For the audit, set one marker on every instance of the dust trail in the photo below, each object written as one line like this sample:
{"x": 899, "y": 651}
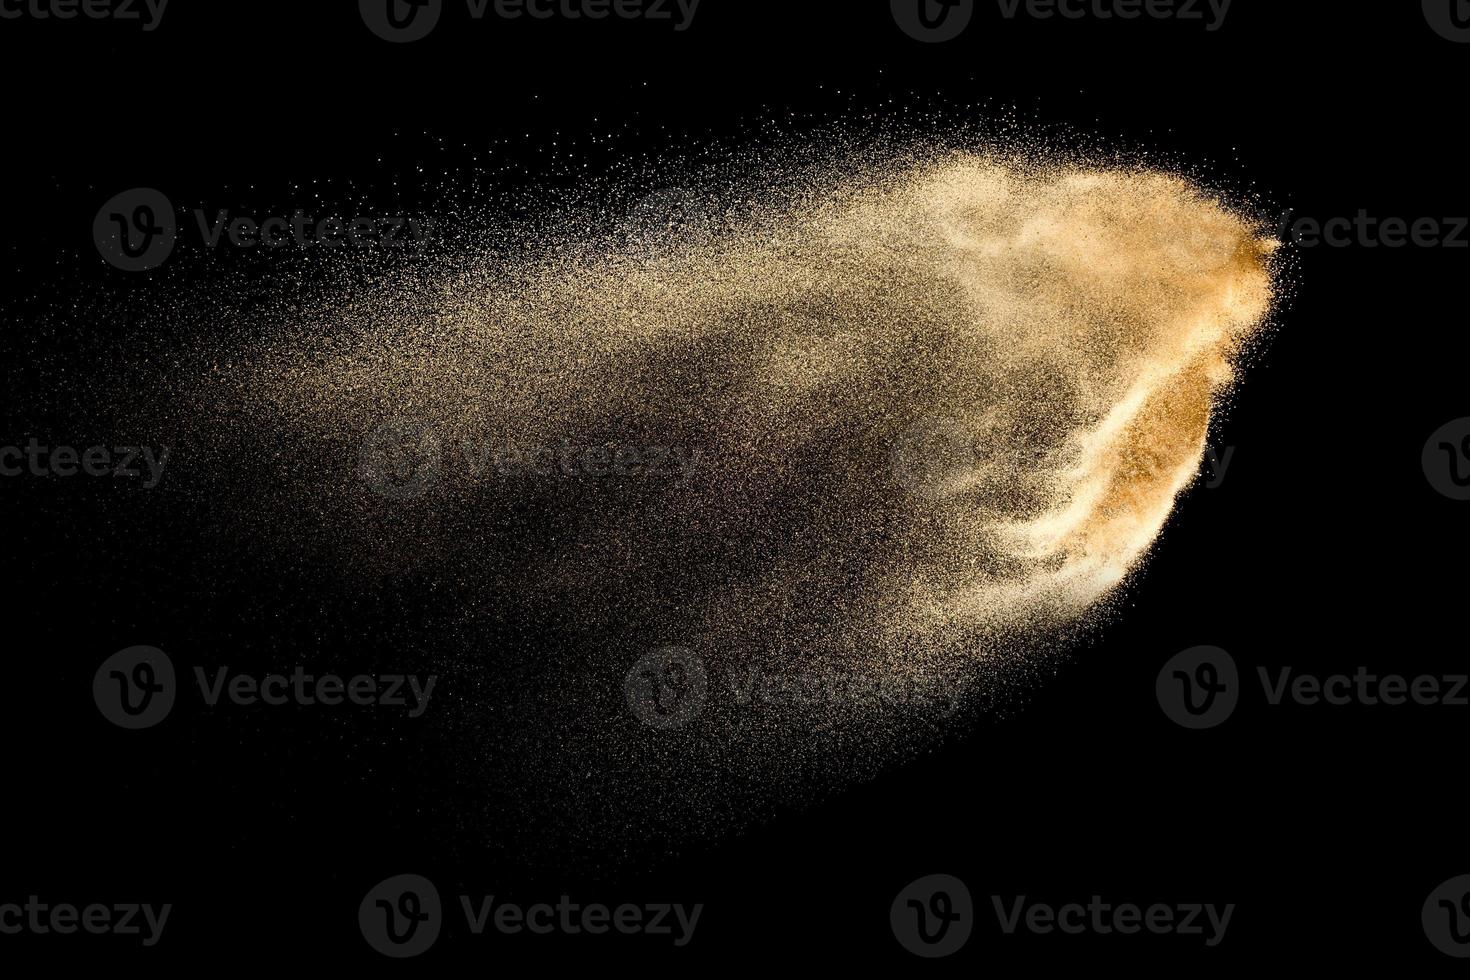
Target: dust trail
{"x": 909, "y": 424}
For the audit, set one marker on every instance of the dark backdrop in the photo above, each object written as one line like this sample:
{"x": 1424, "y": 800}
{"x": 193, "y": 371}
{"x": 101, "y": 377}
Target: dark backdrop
{"x": 1325, "y": 548}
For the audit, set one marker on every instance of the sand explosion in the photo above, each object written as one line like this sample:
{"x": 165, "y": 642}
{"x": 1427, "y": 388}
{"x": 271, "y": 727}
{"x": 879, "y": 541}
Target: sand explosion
{"x": 853, "y": 450}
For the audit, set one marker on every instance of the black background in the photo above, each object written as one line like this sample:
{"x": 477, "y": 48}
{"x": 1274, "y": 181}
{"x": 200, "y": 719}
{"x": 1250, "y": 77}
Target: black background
{"x": 1325, "y": 548}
